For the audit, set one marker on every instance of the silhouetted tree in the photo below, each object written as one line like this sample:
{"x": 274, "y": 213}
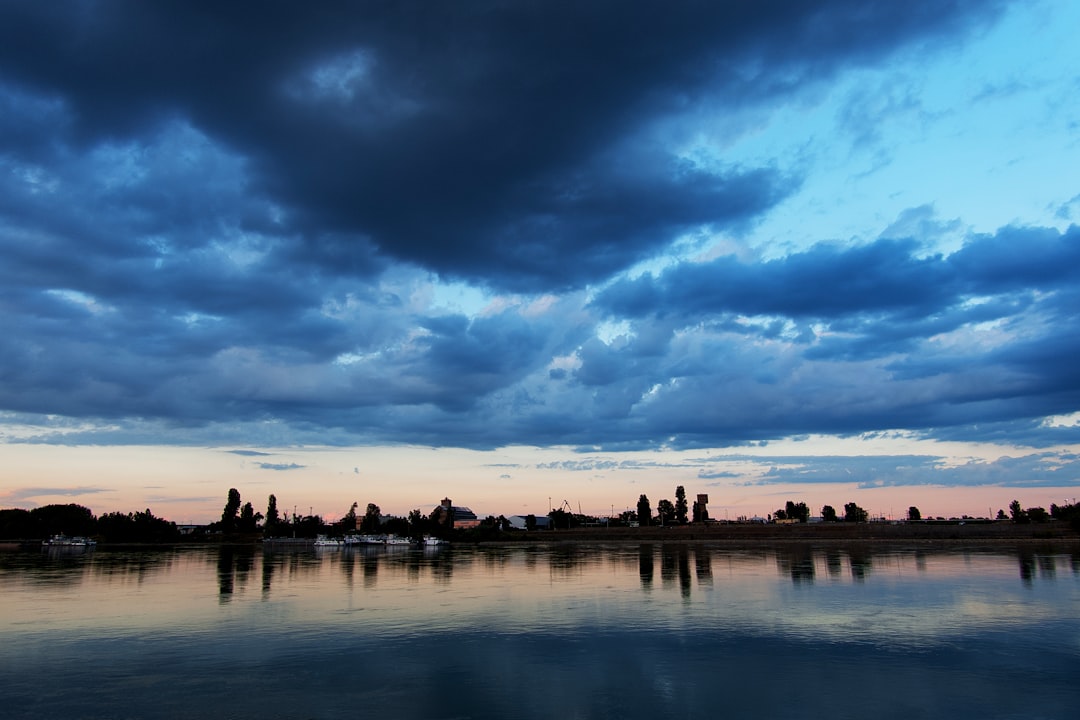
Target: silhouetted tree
{"x": 644, "y": 510}
{"x": 272, "y": 517}
{"x": 1017, "y": 513}
{"x": 797, "y": 511}
{"x": 560, "y": 519}
{"x": 348, "y": 522}
{"x": 140, "y": 527}
{"x": 232, "y": 508}
{"x": 530, "y": 522}
{"x": 372, "y": 519}
{"x": 249, "y": 519}
{"x": 680, "y": 505}
{"x": 913, "y": 514}
{"x": 828, "y": 513}
{"x": 420, "y": 525}
{"x": 1070, "y": 513}
{"x": 1037, "y": 514}
{"x": 396, "y": 526}
{"x": 70, "y": 519}
{"x": 665, "y": 512}
{"x": 16, "y": 524}
{"x": 854, "y": 513}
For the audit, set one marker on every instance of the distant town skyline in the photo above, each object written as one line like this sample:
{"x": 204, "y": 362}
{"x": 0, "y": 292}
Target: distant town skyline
{"x": 823, "y": 251}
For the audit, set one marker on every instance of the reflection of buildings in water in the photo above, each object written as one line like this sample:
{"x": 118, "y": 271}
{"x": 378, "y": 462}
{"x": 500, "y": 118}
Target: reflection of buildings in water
{"x": 454, "y": 516}
{"x": 645, "y": 565}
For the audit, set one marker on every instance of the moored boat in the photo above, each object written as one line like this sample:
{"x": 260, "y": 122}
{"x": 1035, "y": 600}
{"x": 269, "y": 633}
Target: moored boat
{"x": 62, "y": 540}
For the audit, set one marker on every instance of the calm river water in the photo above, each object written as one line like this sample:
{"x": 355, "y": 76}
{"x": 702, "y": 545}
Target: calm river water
{"x": 657, "y": 631}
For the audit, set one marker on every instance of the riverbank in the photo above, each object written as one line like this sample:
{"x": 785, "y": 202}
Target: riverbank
{"x": 824, "y": 533}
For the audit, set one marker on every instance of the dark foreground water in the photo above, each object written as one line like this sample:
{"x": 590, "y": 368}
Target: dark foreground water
{"x": 657, "y": 631}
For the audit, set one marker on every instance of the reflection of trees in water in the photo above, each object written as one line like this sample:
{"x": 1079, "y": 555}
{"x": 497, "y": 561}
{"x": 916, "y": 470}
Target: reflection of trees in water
{"x": 834, "y": 563}
{"x": 267, "y": 574}
{"x": 920, "y": 560}
{"x": 441, "y": 563}
{"x": 496, "y": 558}
{"x": 570, "y": 559}
{"x": 70, "y": 565}
{"x": 796, "y": 561}
{"x": 348, "y": 568}
{"x": 1047, "y": 566}
{"x": 1032, "y": 562}
{"x": 245, "y": 561}
{"x": 290, "y": 562}
{"x": 675, "y": 565}
{"x": 531, "y": 556}
{"x": 234, "y": 564}
{"x": 667, "y": 566}
{"x": 645, "y": 565}
{"x": 703, "y": 565}
{"x": 226, "y": 564}
{"x": 861, "y": 562}
{"x": 370, "y": 568}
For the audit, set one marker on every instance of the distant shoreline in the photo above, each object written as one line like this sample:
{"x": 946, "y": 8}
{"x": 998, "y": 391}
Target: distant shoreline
{"x": 917, "y": 535}
{"x": 930, "y": 534}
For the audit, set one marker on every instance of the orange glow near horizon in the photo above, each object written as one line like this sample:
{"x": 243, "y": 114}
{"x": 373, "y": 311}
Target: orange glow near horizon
{"x": 190, "y": 485}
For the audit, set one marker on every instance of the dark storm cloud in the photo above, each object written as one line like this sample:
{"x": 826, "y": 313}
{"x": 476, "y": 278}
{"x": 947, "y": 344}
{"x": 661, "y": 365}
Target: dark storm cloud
{"x": 220, "y": 226}
{"x": 505, "y": 143}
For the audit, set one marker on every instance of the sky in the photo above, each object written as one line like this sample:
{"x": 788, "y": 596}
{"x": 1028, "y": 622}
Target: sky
{"x": 537, "y": 254}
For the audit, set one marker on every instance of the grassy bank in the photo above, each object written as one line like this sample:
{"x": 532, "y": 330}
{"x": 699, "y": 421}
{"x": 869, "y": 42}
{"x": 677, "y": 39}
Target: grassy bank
{"x": 823, "y": 533}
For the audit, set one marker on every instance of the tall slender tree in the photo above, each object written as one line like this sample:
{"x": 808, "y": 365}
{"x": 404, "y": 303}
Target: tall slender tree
{"x": 232, "y": 508}
{"x": 272, "y": 517}
{"x": 680, "y": 505}
{"x": 644, "y": 510}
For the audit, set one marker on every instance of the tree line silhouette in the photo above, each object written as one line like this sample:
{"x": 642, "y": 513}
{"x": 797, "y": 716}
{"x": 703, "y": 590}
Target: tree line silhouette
{"x": 241, "y": 520}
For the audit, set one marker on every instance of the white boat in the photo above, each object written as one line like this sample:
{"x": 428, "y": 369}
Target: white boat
{"x": 432, "y": 541}
{"x": 324, "y": 541}
{"x": 397, "y": 540}
{"x": 62, "y": 540}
